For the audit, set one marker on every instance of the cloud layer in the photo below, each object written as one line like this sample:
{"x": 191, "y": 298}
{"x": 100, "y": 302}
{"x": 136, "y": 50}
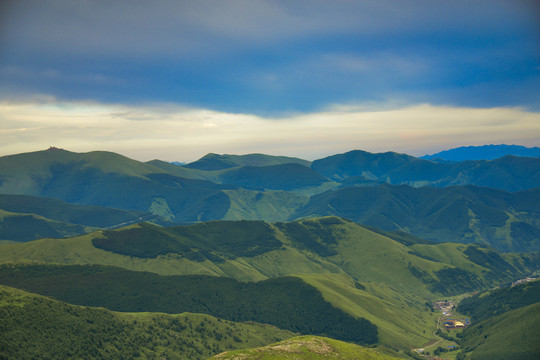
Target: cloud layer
{"x": 174, "y": 133}
{"x": 272, "y": 56}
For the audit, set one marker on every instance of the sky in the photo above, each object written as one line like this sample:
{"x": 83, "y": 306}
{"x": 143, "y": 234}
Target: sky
{"x": 175, "y": 80}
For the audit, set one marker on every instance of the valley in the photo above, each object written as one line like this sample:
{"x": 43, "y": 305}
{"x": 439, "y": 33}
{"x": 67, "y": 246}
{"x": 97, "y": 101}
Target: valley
{"x": 354, "y": 255}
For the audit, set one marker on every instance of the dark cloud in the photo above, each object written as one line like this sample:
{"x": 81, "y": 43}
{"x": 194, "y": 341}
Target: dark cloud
{"x": 263, "y": 56}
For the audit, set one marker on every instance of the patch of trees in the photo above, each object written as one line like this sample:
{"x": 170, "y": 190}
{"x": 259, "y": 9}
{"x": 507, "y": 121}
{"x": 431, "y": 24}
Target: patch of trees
{"x": 312, "y": 235}
{"x": 213, "y": 240}
{"x": 489, "y": 260}
{"x": 288, "y": 303}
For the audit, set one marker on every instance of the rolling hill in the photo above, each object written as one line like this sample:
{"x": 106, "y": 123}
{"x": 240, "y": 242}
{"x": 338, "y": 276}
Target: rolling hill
{"x": 284, "y": 246}
{"x": 361, "y": 272}
{"x": 255, "y": 250}
{"x": 281, "y": 191}
{"x": 111, "y": 180}
{"x": 273, "y": 177}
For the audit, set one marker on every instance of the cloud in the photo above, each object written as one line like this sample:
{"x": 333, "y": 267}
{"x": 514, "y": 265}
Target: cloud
{"x": 271, "y": 56}
{"x": 174, "y": 133}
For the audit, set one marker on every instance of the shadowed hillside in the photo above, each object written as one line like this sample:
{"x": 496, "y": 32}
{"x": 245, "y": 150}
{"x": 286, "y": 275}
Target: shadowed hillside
{"x": 288, "y": 303}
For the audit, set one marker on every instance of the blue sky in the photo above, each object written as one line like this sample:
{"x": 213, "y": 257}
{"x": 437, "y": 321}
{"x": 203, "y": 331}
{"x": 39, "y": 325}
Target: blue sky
{"x": 277, "y": 63}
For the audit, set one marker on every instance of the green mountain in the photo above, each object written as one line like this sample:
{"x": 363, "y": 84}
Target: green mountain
{"x": 111, "y": 180}
{"x": 485, "y": 152}
{"x": 219, "y": 162}
{"x": 360, "y": 163}
{"x": 274, "y": 177}
{"x": 467, "y": 214}
{"x": 509, "y": 173}
{"x": 36, "y": 327}
{"x": 307, "y": 347}
{"x": 282, "y": 191}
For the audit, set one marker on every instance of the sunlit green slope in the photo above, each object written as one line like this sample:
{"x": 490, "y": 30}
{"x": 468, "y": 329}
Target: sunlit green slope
{"x": 307, "y": 347}
{"x": 512, "y": 335}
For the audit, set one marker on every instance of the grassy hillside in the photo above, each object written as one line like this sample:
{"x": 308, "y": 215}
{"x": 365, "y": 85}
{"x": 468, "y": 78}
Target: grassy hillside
{"x": 288, "y": 303}
{"x": 34, "y": 327}
{"x": 512, "y": 335}
{"x": 307, "y": 347}
{"x": 506, "y": 221}
{"x": 402, "y": 319}
{"x": 254, "y": 250}
{"x": 363, "y": 273}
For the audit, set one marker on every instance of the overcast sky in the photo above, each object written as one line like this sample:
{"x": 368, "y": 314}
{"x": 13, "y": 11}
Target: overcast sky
{"x": 175, "y": 80}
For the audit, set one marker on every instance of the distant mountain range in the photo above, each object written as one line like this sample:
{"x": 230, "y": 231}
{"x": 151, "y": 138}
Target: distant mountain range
{"x": 485, "y": 152}
{"x": 437, "y": 201}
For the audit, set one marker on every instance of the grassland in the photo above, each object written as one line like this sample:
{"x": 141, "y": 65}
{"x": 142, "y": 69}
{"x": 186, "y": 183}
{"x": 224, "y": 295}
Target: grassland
{"x": 361, "y": 272}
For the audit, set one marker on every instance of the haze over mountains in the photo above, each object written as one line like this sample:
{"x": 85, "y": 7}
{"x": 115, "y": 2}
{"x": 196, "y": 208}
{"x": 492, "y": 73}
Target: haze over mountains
{"x": 369, "y": 239}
